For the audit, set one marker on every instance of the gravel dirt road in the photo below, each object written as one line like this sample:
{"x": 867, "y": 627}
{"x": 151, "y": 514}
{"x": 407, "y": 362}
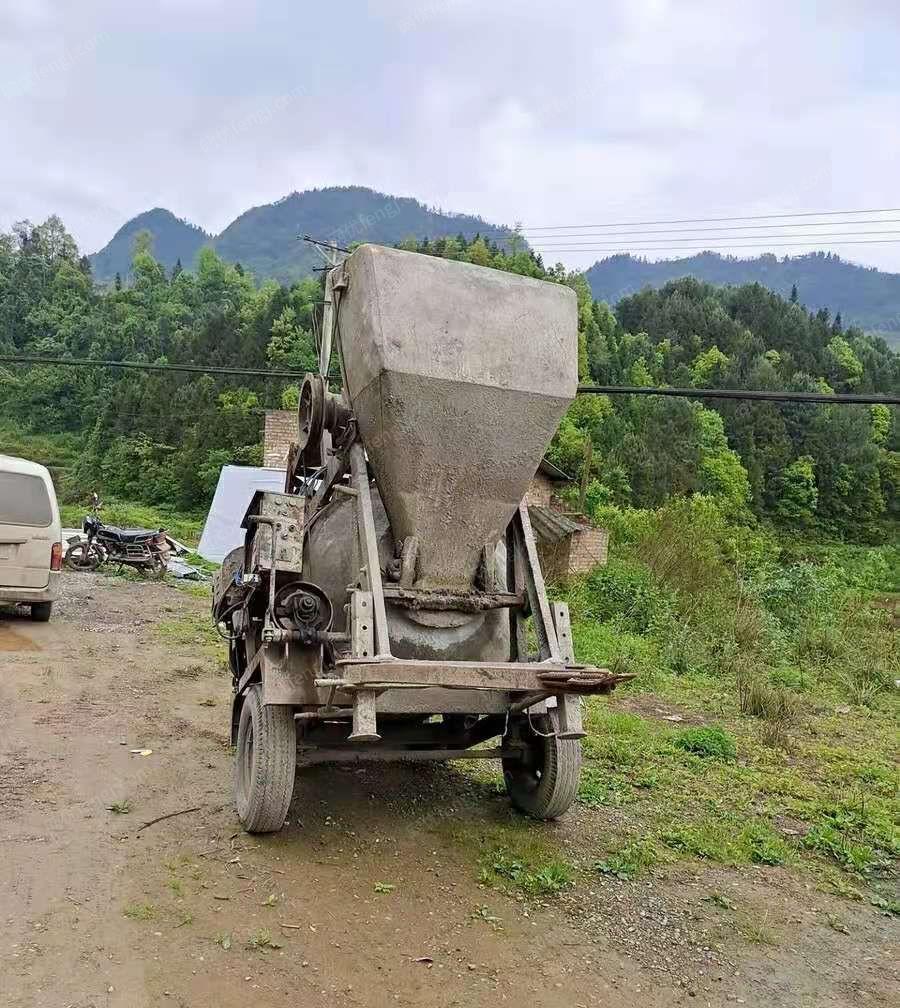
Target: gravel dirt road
{"x": 364, "y": 899}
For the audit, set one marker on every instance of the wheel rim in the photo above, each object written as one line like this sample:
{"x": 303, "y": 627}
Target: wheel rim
{"x": 82, "y": 557}
{"x": 527, "y": 772}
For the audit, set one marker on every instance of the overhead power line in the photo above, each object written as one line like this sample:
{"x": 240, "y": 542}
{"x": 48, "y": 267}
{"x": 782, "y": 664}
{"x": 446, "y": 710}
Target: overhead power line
{"x": 143, "y": 366}
{"x": 716, "y": 246}
{"x": 725, "y": 228}
{"x": 688, "y": 393}
{"x": 711, "y": 220}
{"x": 772, "y": 238}
{"x": 762, "y": 395}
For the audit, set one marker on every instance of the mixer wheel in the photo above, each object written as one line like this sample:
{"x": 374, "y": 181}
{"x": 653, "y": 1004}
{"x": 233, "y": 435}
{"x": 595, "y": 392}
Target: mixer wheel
{"x": 265, "y": 763}
{"x": 544, "y": 782}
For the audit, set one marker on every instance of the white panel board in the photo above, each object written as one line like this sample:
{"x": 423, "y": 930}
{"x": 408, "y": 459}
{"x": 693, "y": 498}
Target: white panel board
{"x": 237, "y": 484}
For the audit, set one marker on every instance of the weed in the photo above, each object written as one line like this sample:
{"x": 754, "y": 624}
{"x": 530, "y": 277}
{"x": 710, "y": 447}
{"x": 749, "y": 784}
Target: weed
{"x": 889, "y": 906}
{"x": 756, "y": 930}
{"x": 712, "y": 742}
{"x": 765, "y": 848}
{"x": 119, "y": 807}
{"x": 722, "y": 839}
{"x": 773, "y": 703}
{"x": 271, "y": 900}
{"x": 190, "y": 671}
{"x": 836, "y": 924}
{"x": 721, "y": 901}
{"x": 830, "y": 841}
{"x": 224, "y": 940}
{"x": 186, "y": 918}
{"x": 483, "y": 913}
{"x": 140, "y": 911}
{"x": 191, "y": 630}
{"x": 630, "y": 861}
{"x": 543, "y": 878}
{"x": 384, "y": 887}
{"x": 262, "y": 941}
{"x": 177, "y": 886}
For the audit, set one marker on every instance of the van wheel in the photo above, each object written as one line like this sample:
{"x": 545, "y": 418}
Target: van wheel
{"x": 543, "y": 782}
{"x": 40, "y": 611}
{"x": 265, "y": 763}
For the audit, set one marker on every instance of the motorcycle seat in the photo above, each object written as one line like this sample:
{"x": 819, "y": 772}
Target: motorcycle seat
{"x": 132, "y": 535}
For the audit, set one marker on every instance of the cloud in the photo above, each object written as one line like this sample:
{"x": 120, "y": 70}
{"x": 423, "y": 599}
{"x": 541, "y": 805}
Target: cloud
{"x": 546, "y": 114}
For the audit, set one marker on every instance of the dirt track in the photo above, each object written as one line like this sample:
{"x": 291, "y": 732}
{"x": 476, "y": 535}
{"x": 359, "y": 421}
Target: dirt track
{"x": 94, "y": 912}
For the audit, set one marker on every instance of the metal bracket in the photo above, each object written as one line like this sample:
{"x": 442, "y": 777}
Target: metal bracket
{"x": 526, "y": 573}
{"x": 569, "y": 705}
{"x": 362, "y": 631}
{"x": 369, "y": 547}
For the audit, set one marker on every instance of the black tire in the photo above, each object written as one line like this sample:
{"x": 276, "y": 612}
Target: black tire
{"x": 265, "y": 763}
{"x": 156, "y": 570}
{"x": 544, "y": 783}
{"x": 81, "y": 558}
{"x": 40, "y": 611}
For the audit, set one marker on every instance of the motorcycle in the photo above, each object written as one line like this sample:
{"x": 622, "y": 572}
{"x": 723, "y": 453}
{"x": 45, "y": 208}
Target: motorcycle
{"x": 146, "y": 550}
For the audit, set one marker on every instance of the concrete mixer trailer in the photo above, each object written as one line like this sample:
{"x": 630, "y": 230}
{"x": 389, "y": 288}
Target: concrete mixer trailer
{"x": 390, "y": 603}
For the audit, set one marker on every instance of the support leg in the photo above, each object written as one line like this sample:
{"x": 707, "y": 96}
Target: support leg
{"x": 365, "y": 727}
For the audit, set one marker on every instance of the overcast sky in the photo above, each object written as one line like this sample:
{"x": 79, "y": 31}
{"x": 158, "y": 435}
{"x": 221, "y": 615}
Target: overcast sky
{"x": 545, "y": 113}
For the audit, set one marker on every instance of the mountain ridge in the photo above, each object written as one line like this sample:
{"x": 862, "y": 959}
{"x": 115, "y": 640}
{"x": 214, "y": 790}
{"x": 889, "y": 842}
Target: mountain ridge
{"x": 864, "y": 295}
{"x": 265, "y": 238}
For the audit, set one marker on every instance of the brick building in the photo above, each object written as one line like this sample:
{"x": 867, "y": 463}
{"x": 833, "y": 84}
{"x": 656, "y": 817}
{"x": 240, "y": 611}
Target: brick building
{"x": 567, "y": 544}
{"x": 279, "y": 433}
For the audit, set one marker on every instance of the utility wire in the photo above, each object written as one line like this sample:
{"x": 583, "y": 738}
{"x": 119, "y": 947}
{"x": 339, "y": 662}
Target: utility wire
{"x": 142, "y": 366}
{"x": 719, "y": 247}
{"x": 712, "y": 220}
{"x": 774, "y": 239}
{"x": 759, "y": 395}
{"x": 688, "y": 393}
{"x": 705, "y": 230}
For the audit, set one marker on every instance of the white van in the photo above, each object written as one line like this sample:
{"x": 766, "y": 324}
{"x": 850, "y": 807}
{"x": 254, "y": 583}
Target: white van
{"x": 30, "y": 536}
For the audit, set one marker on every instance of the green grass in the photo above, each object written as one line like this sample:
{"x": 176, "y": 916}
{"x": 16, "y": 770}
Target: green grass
{"x": 841, "y": 801}
{"x": 58, "y": 452}
{"x": 140, "y": 911}
{"x": 514, "y": 857}
{"x": 261, "y": 941}
{"x": 192, "y": 632}
{"x": 185, "y": 528}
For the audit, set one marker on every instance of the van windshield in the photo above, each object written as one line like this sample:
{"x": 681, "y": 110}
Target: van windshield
{"x": 24, "y": 500}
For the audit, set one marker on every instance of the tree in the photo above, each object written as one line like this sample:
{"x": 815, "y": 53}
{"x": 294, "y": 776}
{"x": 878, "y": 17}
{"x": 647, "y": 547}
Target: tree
{"x": 798, "y": 495}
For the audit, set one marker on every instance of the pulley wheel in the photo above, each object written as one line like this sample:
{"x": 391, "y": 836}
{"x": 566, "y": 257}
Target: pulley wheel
{"x": 311, "y": 419}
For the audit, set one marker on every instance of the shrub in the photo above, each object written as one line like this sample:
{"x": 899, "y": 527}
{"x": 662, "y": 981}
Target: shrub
{"x": 772, "y": 703}
{"x": 712, "y": 742}
{"x": 626, "y": 592}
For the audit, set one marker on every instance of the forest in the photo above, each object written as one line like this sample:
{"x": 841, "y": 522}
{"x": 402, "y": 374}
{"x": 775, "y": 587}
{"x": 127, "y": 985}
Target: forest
{"x": 162, "y": 437}
{"x": 867, "y": 297}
